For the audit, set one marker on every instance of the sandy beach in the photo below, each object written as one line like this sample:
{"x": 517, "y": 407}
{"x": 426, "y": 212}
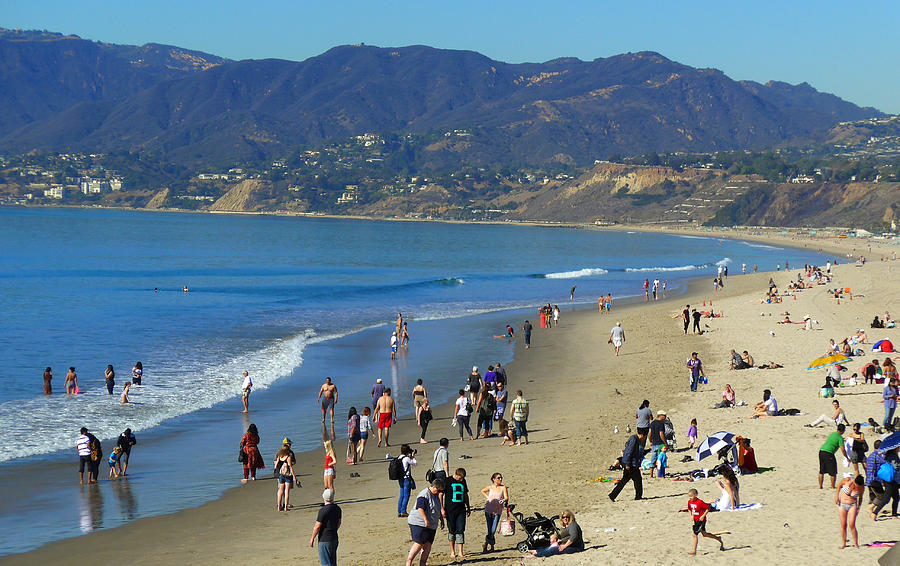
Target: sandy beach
{"x": 579, "y": 391}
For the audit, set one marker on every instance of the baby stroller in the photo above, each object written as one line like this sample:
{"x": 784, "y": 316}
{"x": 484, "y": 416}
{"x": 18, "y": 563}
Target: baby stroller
{"x": 538, "y": 530}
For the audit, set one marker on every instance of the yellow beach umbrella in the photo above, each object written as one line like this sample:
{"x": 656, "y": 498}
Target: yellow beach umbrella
{"x": 829, "y": 360}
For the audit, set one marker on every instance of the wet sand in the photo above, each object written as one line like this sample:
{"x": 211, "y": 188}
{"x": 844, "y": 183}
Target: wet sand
{"x": 578, "y": 393}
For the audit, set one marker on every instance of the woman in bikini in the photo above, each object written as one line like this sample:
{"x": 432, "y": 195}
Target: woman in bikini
{"x": 848, "y": 498}
{"x": 71, "y": 383}
{"x": 419, "y": 394}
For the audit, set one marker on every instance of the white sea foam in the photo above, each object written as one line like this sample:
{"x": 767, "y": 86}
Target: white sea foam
{"x": 587, "y": 272}
{"x": 650, "y": 269}
{"x": 723, "y": 262}
{"x": 167, "y": 395}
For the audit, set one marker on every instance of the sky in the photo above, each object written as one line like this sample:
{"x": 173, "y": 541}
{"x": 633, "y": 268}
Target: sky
{"x": 850, "y": 49}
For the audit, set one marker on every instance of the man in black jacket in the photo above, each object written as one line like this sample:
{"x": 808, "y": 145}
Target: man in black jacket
{"x": 631, "y": 464}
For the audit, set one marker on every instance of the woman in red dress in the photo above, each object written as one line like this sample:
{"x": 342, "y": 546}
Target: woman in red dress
{"x": 250, "y": 446}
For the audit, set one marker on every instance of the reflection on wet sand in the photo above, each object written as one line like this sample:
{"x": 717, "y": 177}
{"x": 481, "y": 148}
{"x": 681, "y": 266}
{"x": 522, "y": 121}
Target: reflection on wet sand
{"x": 90, "y": 508}
{"x": 127, "y": 503}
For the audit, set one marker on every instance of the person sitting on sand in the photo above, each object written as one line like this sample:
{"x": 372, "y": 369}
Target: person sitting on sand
{"x": 861, "y": 337}
{"x": 768, "y": 407}
{"x": 728, "y": 397}
{"x": 771, "y": 365}
{"x": 837, "y": 418}
{"x": 736, "y": 361}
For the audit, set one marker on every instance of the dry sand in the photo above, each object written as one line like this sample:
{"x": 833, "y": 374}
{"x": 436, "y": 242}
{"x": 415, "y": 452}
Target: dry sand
{"x": 578, "y": 392}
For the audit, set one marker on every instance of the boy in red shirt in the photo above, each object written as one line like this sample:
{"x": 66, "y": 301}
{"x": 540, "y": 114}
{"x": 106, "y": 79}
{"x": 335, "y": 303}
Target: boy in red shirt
{"x": 698, "y": 510}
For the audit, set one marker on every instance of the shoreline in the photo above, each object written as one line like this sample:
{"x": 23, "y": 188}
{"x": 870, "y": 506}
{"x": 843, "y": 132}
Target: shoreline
{"x": 313, "y": 469}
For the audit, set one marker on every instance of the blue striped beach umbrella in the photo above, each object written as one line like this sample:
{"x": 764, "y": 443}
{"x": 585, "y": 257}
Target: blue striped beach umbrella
{"x": 890, "y": 442}
{"x": 713, "y": 444}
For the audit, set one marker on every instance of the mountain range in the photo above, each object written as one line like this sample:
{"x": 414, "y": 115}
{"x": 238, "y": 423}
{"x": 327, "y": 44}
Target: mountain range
{"x": 63, "y": 93}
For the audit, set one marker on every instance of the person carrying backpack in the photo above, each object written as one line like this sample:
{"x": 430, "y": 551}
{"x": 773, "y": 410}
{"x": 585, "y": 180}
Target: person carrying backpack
{"x": 406, "y": 459}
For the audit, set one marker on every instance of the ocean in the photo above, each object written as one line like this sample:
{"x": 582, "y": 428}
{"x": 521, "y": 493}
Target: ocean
{"x": 290, "y": 300}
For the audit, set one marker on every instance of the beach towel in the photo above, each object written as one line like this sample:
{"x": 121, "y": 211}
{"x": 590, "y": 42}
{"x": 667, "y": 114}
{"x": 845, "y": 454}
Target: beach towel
{"x": 744, "y": 507}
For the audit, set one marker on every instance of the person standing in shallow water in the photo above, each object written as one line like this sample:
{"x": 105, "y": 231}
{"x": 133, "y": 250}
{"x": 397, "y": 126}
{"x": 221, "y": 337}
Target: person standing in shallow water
{"x": 48, "y": 376}
{"x": 110, "y": 378}
{"x": 137, "y": 373}
{"x": 71, "y": 383}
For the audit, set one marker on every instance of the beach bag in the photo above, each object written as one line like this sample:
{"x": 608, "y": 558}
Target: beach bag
{"x": 95, "y": 450}
{"x": 429, "y": 476}
{"x": 507, "y": 526}
{"x": 285, "y": 468}
{"x": 395, "y": 469}
{"x": 242, "y": 456}
{"x": 886, "y": 473}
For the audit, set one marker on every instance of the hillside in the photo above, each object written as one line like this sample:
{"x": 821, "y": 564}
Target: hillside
{"x": 613, "y": 193}
{"x": 42, "y": 74}
{"x": 561, "y": 111}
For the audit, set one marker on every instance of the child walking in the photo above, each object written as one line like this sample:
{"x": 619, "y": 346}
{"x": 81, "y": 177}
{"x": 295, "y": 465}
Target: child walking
{"x": 692, "y": 433}
{"x": 699, "y": 510}
{"x": 114, "y": 462}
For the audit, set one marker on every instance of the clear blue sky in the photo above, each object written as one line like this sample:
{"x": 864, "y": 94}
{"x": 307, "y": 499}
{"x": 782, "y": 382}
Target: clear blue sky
{"x": 850, "y": 49}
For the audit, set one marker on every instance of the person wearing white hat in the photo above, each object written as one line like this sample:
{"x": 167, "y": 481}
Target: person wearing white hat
{"x": 328, "y": 521}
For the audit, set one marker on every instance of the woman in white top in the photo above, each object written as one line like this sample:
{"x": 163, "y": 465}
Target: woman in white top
{"x": 731, "y": 496}
{"x": 365, "y": 426}
{"x": 461, "y": 415}
{"x": 837, "y": 418}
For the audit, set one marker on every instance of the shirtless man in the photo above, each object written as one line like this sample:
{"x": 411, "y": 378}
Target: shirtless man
{"x": 399, "y": 324}
{"x": 386, "y": 413}
{"x": 327, "y": 398}
{"x": 404, "y": 337}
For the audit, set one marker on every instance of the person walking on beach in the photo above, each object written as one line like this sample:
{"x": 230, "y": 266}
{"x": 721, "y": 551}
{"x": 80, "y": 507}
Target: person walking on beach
{"x": 386, "y": 411}
{"x": 500, "y": 372}
{"x": 110, "y": 378}
{"x": 71, "y": 383}
{"x": 455, "y": 509}
{"x": 699, "y": 510}
{"x": 327, "y": 398}
{"x": 423, "y": 522}
{"x": 284, "y": 465}
{"x": 496, "y": 498}
{"x": 607, "y": 303}
{"x": 353, "y": 436}
{"x": 890, "y": 394}
{"x": 425, "y": 417}
{"x": 404, "y": 337}
{"x": 520, "y": 413}
{"x": 407, "y": 484}
{"x": 555, "y": 315}
{"x": 657, "y": 436}
{"x": 246, "y": 387}
{"x": 486, "y": 406}
{"x": 377, "y": 392}
{"x": 462, "y": 411}
{"x": 644, "y": 417}
{"x": 87, "y": 447}
{"x": 419, "y": 394}
{"x": 617, "y": 337}
{"x": 695, "y": 315}
{"x": 126, "y": 441}
{"x": 696, "y": 366}
{"x": 475, "y": 385}
{"x": 686, "y": 318}
{"x": 502, "y": 396}
{"x": 848, "y": 498}
{"x": 631, "y": 467}
{"x": 48, "y": 377}
{"x": 394, "y": 344}
{"x": 252, "y": 459}
{"x": 440, "y": 462}
{"x": 365, "y": 427}
{"x": 827, "y": 461}
{"x": 526, "y": 329}
{"x": 330, "y": 461}
{"x": 328, "y": 521}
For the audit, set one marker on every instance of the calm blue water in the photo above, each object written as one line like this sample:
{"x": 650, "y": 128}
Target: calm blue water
{"x": 288, "y": 299}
